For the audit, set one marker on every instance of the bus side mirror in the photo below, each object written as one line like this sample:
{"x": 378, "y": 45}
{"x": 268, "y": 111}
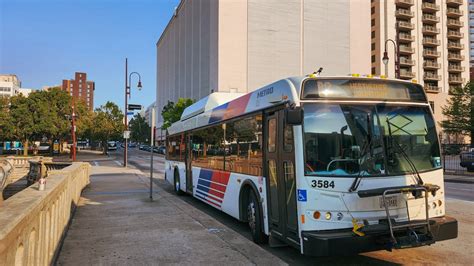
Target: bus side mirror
{"x": 294, "y": 116}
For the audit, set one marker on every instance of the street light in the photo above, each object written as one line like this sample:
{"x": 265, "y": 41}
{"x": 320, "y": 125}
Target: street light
{"x": 127, "y": 93}
{"x": 385, "y": 58}
{"x": 72, "y": 117}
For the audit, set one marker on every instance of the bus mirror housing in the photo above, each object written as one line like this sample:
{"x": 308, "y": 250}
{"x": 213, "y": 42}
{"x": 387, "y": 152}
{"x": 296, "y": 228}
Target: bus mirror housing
{"x": 294, "y": 116}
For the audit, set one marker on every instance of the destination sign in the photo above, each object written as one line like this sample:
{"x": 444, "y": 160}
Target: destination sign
{"x": 362, "y": 89}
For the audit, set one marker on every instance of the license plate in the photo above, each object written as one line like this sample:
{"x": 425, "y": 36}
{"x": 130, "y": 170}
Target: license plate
{"x": 391, "y": 201}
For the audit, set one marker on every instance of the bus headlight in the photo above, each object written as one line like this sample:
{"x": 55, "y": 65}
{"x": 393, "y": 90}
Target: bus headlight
{"x": 328, "y": 215}
{"x": 340, "y": 216}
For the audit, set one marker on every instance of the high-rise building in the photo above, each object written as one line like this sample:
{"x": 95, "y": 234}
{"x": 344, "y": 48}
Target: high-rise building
{"x": 239, "y": 46}
{"x": 433, "y": 40}
{"x": 471, "y": 37}
{"x": 9, "y": 85}
{"x": 80, "y": 88}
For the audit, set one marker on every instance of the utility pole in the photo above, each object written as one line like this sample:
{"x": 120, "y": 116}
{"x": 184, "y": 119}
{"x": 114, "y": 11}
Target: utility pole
{"x": 151, "y": 150}
{"x": 73, "y": 133}
{"x": 125, "y": 148}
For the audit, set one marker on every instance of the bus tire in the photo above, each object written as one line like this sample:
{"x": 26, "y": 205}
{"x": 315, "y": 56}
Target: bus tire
{"x": 177, "y": 184}
{"x": 254, "y": 217}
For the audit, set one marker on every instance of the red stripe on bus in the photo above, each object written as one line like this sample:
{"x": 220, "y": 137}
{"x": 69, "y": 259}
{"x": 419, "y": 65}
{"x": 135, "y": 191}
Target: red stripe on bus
{"x": 216, "y": 193}
{"x": 237, "y": 106}
{"x": 214, "y": 198}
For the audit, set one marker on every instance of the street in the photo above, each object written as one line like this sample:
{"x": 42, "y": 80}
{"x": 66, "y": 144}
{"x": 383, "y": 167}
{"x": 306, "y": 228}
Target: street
{"x": 459, "y": 204}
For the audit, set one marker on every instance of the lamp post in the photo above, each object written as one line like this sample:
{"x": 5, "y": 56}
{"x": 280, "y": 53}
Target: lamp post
{"x": 73, "y": 133}
{"x": 127, "y": 95}
{"x": 385, "y": 58}
{"x": 72, "y": 117}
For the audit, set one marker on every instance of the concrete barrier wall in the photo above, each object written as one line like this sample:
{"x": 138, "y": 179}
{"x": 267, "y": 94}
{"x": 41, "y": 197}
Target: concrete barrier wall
{"x": 32, "y": 222}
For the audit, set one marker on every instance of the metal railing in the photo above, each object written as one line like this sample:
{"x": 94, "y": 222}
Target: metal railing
{"x": 452, "y": 163}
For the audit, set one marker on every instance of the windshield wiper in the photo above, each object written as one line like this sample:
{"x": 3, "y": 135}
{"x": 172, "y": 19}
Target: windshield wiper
{"x": 365, "y": 149}
{"x": 402, "y": 151}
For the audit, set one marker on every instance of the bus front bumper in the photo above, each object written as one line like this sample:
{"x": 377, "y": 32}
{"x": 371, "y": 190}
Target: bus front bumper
{"x": 345, "y": 242}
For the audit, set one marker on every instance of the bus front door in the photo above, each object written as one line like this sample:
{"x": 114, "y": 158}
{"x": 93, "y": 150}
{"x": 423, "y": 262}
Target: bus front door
{"x": 280, "y": 173}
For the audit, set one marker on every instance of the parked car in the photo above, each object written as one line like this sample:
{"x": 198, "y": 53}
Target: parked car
{"x": 146, "y": 148}
{"x": 141, "y": 146}
{"x": 162, "y": 150}
{"x": 111, "y": 145}
{"x": 467, "y": 159}
{"x": 132, "y": 145}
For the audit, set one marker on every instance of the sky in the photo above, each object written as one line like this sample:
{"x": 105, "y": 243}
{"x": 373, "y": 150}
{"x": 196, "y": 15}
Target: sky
{"x": 46, "y": 41}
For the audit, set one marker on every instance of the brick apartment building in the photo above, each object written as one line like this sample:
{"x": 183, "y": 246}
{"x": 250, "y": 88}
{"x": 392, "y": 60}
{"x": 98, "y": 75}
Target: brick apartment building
{"x": 80, "y": 88}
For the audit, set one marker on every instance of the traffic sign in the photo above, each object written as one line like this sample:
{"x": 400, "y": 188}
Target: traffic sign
{"x": 134, "y": 107}
{"x": 126, "y": 134}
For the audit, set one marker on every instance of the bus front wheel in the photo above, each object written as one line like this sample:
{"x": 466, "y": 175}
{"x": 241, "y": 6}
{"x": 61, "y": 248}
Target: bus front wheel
{"x": 177, "y": 186}
{"x": 254, "y": 217}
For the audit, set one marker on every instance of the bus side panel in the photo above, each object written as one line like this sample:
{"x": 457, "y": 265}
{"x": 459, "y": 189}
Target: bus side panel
{"x": 222, "y": 189}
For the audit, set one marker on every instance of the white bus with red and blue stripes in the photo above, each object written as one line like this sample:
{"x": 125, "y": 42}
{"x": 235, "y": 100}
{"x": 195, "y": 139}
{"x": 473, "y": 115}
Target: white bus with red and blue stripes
{"x": 329, "y": 165}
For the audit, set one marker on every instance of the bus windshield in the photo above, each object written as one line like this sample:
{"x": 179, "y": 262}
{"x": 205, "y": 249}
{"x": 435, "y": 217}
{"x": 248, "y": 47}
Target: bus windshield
{"x": 369, "y": 140}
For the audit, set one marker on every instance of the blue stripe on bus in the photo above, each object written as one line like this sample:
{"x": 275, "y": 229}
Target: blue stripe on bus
{"x": 205, "y": 174}
{"x": 204, "y": 182}
{"x": 218, "y": 113}
{"x": 203, "y": 188}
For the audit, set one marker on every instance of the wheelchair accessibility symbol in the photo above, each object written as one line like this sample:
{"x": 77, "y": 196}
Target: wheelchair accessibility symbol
{"x": 302, "y": 195}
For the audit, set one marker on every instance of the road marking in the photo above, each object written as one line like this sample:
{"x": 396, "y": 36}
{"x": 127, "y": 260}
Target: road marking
{"x": 96, "y": 163}
{"x": 118, "y": 163}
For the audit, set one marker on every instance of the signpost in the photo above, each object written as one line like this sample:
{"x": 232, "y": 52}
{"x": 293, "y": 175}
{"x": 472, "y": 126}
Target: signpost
{"x": 151, "y": 150}
{"x": 126, "y": 134}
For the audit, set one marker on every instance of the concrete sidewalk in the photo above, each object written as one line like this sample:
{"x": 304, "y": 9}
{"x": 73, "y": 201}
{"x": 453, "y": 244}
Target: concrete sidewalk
{"x": 115, "y": 223}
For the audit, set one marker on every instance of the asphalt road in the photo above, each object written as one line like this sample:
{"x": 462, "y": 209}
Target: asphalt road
{"x": 453, "y": 251}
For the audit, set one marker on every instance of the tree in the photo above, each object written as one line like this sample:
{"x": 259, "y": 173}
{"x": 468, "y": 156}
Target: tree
{"x": 50, "y": 117}
{"x": 172, "y": 111}
{"x": 459, "y": 112}
{"x": 84, "y": 121}
{"x": 140, "y": 130}
{"x": 6, "y": 128}
{"x": 107, "y": 123}
{"x": 22, "y": 120}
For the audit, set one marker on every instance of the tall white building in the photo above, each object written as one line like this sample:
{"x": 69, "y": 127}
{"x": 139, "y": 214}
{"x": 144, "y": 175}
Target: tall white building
{"x": 9, "y": 85}
{"x": 239, "y": 46}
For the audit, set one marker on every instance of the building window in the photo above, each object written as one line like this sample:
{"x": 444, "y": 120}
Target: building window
{"x": 373, "y": 58}
{"x": 373, "y": 34}
{"x": 373, "y": 46}
{"x": 372, "y": 10}
{"x": 373, "y": 71}
{"x": 372, "y": 22}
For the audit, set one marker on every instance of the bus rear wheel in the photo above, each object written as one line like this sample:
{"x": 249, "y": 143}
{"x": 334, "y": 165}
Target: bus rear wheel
{"x": 254, "y": 217}
{"x": 177, "y": 184}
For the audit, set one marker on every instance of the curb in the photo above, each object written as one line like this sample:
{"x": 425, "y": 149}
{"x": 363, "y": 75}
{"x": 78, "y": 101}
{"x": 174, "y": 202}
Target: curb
{"x": 459, "y": 181}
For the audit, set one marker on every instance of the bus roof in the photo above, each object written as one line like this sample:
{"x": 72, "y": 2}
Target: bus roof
{"x": 220, "y": 106}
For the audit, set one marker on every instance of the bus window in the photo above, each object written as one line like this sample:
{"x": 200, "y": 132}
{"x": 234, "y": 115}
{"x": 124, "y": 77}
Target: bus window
{"x": 208, "y": 148}
{"x": 243, "y": 148}
{"x": 288, "y": 138}
{"x": 271, "y": 144}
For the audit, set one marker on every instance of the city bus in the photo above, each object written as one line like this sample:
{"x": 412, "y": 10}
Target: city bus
{"x": 328, "y": 165}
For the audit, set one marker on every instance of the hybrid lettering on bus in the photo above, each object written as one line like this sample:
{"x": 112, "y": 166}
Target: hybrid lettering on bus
{"x": 329, "y": 165}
